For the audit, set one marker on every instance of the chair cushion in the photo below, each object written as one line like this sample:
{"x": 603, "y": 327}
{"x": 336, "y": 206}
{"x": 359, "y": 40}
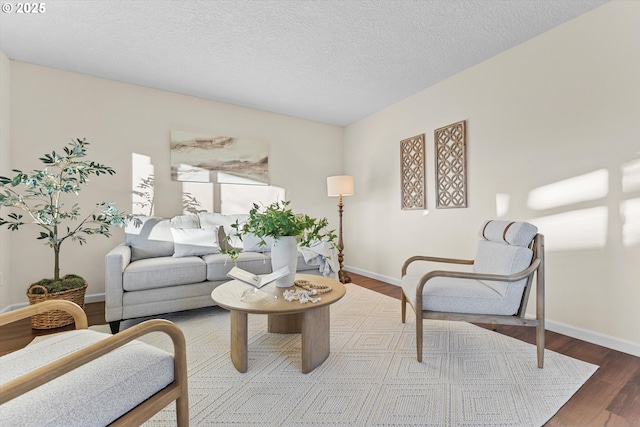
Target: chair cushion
{"x": 160, "y": 272}
{"x": 454, "y": 295}
{"x": 499, "y": 258}
{"x": 94, "y": 394}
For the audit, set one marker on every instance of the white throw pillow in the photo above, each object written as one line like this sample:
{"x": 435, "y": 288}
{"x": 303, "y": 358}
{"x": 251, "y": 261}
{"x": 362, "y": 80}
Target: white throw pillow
{"x": 251, "y": 243}
{"x": 195, "y": 241}
{"x": 213, "y": 219}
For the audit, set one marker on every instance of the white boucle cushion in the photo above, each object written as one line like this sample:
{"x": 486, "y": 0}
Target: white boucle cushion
{"x": 195, "y": 241}
{"x": 150, "y": 237}
{"x": 510, "y": 232}
{"x": 503, "y": 259}
{"x": 94, "y": 394}
{"x": 468, "y": 296}
{"x": 213, "y": 219}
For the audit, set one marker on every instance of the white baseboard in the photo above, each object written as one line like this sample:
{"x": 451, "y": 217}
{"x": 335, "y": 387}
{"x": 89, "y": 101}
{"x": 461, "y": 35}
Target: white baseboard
{"x": 94, "y": 298}
{"x": 380, "y": 277}
{"x": 87, "y": 299}
{"x": 597, "y": 338}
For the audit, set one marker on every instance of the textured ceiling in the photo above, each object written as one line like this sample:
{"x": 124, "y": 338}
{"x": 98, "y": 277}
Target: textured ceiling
{"x": 333, "y": 61}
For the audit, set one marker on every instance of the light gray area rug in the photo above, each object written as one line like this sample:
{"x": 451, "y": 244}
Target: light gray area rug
{"x": 469, "y": 376}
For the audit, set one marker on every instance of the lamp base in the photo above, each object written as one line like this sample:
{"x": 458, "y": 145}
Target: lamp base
{"x": 344, "y": 277}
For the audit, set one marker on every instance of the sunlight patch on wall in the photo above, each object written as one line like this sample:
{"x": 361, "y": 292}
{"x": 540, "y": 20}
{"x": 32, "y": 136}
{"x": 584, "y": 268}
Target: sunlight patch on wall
{"x": 502, "y": 204}
{"x": 184, "y": 172}
{"x": 590, "y": 186}
{"x": 197, "y": 197}
{"x": 142, "y": 185}
{"x": 631, "y": 176}
{"x": 579, "y": 229}
{"x": 236, "y": 199}
{"x": 630, "y": 211}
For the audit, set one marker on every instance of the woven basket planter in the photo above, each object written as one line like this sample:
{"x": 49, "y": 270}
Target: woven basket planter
{"x": 54, "y": 318}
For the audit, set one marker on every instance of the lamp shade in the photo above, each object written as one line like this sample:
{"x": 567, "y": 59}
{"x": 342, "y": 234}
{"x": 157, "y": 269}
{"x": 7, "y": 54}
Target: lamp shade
{"x": 339, "y": 185}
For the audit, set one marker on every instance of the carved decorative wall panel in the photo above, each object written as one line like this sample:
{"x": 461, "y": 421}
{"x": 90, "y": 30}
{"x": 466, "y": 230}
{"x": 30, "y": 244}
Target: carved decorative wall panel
{"x": 451, "y": 166}
{"x": 412, "y": 173}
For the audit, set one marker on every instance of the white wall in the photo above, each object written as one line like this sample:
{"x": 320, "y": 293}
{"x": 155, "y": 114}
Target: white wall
{"x": 5, "y": 170}
{"x": 50, "y": 107}
{"x": 559, "y": 106}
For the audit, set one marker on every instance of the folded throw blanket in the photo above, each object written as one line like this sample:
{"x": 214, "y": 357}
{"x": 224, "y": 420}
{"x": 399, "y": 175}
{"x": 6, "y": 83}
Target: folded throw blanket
{"x": 324, "y": 255}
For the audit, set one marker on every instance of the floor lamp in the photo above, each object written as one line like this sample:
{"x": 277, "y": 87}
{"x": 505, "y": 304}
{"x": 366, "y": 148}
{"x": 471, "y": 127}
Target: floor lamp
{"x": 338, "y": 186}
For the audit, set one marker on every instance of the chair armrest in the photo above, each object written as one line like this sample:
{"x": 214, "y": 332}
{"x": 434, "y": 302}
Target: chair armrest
{"x": 79, "y": 316}
{"x": 434, "y": 259}
{"x": 59, "y": 367}
{"x": 476, "y": 276}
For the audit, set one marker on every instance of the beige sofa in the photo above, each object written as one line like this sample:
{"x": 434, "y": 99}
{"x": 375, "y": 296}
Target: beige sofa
{"x": 173, "y": 264}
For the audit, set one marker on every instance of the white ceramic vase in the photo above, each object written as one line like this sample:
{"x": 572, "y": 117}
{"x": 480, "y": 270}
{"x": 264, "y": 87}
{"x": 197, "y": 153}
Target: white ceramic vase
{"x": 284, "y": 251}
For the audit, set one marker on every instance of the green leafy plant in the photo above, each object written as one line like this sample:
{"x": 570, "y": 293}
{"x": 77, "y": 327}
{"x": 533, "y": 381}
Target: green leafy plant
{"x": 40, "y": 193}
{"x": 277, "y": 220}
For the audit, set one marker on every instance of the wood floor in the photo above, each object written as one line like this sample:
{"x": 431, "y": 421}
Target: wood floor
{"x": 611, "y": 397}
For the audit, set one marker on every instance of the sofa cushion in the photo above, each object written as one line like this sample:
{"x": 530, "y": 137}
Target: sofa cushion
{"x": 94, "y": 394}
{"x": 194, "y": 241}
{"x": 151, "y": 237}
{"x": 160, "y": 272}
{"x": 218, "y": 265}
{"x": 213, "y": 219}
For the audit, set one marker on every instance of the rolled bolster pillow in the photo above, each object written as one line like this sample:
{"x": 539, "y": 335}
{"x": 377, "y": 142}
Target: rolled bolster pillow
{"x": 511, "y": 232}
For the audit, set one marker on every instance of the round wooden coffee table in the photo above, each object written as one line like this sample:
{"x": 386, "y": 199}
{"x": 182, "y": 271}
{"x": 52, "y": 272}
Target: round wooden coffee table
{"x": 312, "y": 320}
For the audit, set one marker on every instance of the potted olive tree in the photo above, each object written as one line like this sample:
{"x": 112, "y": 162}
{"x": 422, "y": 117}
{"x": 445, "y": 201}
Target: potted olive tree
{"x": 287, "y": 229}
{"x": 40, "y": 194}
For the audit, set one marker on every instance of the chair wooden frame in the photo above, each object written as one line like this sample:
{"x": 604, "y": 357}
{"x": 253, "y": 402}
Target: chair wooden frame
{"x": 176, "y": 391}
{"x": 536, "y": 268}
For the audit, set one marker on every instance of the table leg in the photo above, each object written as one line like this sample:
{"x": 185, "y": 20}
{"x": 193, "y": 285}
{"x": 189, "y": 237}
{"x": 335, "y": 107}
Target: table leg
{"x": 239, "y": 338}
{"x": 285, "y": 323}
{"x": 315, "y": 337}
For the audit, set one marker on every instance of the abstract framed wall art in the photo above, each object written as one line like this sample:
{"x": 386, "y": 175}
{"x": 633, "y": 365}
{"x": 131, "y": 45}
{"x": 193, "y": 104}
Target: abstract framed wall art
{"x": 451, "y": 166}
{"x": 412, "y": 173}
{"x": 218, "y": 159}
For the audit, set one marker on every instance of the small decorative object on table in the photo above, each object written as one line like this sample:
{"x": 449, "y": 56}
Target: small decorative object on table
{"x": 301, "y": 295}
{"x": 308, "y": 286}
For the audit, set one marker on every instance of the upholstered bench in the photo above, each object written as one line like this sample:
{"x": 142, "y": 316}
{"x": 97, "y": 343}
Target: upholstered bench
{"x": 87, "y": 378}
